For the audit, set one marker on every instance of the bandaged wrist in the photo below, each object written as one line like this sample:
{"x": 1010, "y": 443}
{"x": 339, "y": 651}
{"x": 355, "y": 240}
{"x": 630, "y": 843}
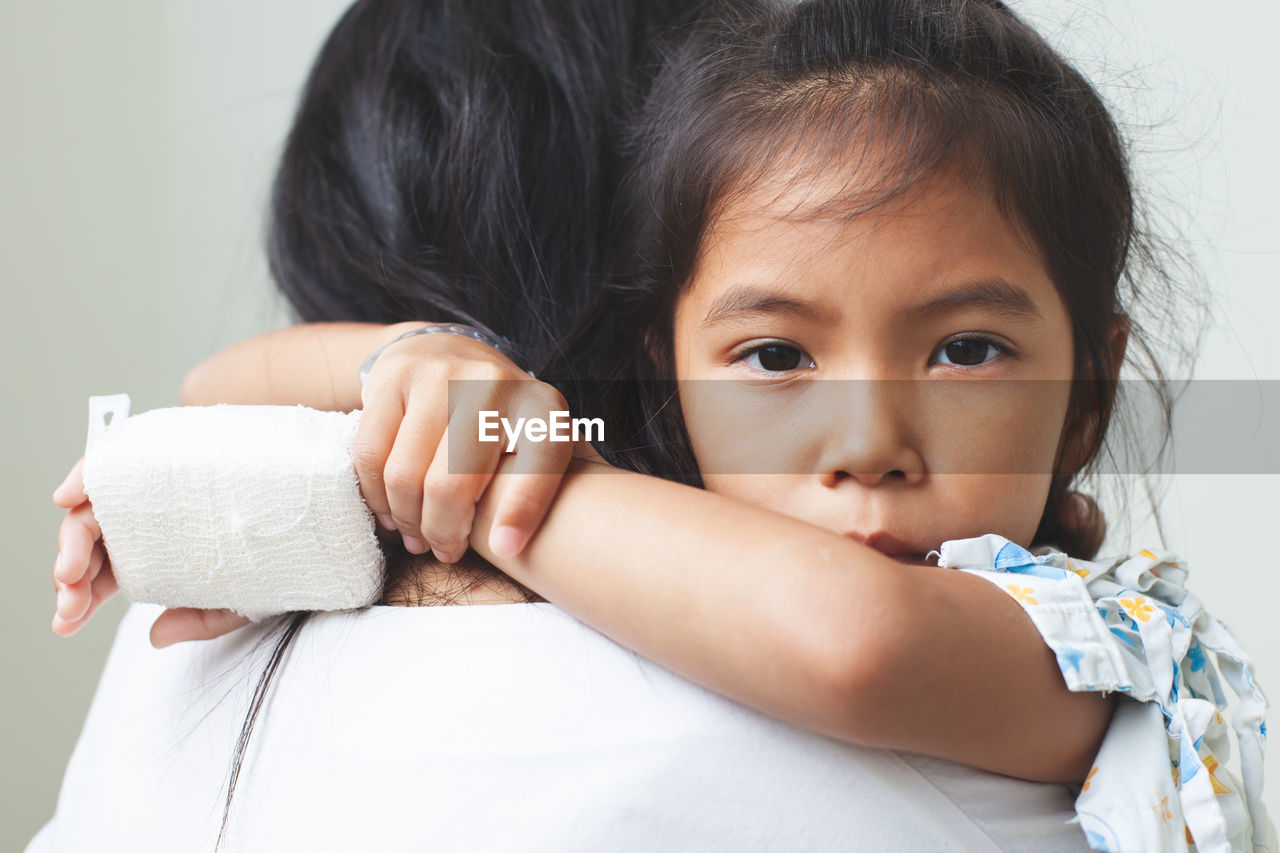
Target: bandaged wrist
{"x": 252, "y": 508}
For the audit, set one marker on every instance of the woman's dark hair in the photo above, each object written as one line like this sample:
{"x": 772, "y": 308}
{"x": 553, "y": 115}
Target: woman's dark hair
{"x": 893, "y": 92}
{"x": 457, "y": 160}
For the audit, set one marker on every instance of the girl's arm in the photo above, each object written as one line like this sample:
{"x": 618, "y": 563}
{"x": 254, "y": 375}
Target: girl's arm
{"x": 313, "y": 364}
{"x": 405, "y": 470}
{"x": 407, "y": 474}
{"x": 786, "y": 617}
{"x": 807, "y": 625}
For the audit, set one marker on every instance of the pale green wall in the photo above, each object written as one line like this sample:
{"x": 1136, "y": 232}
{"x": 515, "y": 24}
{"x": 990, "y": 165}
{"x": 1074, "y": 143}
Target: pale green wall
{"x": 83, "y": 313}
{"x": 137, "y": 141}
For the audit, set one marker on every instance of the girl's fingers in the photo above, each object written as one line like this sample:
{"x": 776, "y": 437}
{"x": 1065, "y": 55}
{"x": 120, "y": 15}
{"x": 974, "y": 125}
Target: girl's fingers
{"x": 455, "y": 480}
{"x": 531, "y": 482}
{"x": 76, "y": 535}
{"x": 104, "y": 581}
{"x": 97, "y": 560}
{"x": 72, "y": 603}
{"x": 180, "y": 624}
{"x": 71, "y": 492}
{"x": 75, "y": 599}
{"x": 63, "y": 628}
{"x": 375, "y": 437}
{"x": 420, "y": 433}
{"x": 102, "y": 588}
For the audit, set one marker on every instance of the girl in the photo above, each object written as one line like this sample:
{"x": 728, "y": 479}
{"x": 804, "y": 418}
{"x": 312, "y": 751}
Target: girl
{"x": 925, "y": 205}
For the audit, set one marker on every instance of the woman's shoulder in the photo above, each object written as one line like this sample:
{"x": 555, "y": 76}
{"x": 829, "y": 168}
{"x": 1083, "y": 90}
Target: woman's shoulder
{"x": 430, "y": 711}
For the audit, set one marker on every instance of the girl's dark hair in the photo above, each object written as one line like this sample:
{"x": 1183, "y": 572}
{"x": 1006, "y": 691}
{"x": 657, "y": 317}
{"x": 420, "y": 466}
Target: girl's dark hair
{"x": 456, "y": 160}
{"x": 894, "y": 92}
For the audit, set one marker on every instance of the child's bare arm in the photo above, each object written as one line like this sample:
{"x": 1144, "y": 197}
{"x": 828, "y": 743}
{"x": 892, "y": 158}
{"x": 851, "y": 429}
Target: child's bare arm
{"x": 808, "y": 626}
{"x": 408, "y": 474}
{"x": 313, "y": 364}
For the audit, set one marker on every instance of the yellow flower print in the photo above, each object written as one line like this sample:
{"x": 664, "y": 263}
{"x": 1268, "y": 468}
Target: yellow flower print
{"x": 1162, "y": 808}
{"x": 1138, "y": 608}
{"x": 1145, "y": 553}
{"x": 1022, "y": 593}
{"x": 1088, "y": 778}
{"x": 1084, "y": 573}
{"x": 1211, "y": 764}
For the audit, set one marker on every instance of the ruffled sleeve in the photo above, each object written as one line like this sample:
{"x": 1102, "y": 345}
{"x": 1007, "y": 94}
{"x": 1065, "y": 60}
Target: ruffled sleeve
{"x": 1159, "y": 781}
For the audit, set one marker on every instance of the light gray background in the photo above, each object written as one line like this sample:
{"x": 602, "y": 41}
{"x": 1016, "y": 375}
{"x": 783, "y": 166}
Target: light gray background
{"x": 139, "y": 140}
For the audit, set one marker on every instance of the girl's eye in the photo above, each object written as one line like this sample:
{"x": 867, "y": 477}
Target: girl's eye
{"x": 776, "y": 358}
{"x": 969, "y": 352}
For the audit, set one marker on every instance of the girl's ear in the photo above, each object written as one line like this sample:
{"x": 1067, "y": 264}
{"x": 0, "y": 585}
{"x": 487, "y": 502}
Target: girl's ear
{"x": 1079, "y": 436}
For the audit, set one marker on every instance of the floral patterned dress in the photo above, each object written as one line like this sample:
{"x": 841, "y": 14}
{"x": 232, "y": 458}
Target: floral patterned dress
{"x": 1160, "y": 780}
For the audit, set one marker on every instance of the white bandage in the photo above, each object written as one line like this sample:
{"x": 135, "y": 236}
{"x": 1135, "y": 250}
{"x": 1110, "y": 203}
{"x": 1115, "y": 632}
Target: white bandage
{"x": 252, "y": 508}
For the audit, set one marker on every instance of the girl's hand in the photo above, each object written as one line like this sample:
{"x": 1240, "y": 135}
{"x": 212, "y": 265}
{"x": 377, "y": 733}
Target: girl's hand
{"x": 418, "y": 454}
{"x": 82, "y": 575}
{"x": 403, "y": 463}
{"x": 83, "y": 579}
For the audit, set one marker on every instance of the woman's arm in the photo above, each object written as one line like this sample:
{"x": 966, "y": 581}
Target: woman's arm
{"x": 313, "y": 364}
{"x": 806, "y": 625}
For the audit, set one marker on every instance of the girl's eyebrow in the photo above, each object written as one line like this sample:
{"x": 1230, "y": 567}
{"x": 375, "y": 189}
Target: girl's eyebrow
{"x": 995, "y": 293}
{"x": 753, "y": 299}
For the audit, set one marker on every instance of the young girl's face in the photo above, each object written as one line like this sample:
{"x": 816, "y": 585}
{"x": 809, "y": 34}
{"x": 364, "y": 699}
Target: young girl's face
{"x": 939, "y": 326}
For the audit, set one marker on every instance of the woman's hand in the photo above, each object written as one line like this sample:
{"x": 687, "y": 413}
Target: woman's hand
{"x": 418, "y": 454}
{"x": 83, "y": 578}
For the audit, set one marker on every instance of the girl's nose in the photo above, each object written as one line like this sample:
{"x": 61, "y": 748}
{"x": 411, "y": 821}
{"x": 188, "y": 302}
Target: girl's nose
{"x": 869, "y": 434}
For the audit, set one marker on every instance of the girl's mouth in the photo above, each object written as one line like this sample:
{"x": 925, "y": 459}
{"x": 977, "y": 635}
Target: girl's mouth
{"x": 893, "y": 547}
{"x": 913, "y": 559}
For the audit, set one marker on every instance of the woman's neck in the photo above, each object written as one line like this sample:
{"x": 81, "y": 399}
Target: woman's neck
{"x": 420, "y": 580}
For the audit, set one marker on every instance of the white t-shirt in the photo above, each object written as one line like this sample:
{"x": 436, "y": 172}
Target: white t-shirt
{"x": 493, "y": 727}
